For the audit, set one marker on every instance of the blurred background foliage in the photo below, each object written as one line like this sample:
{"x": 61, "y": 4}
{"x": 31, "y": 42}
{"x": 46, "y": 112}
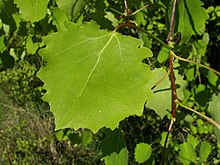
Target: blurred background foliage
{"x": 26, "y": 125}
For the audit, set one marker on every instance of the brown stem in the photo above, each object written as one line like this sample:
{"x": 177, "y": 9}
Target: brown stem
{"x": 173, "y": 85}
{"x": 170, "y": 34}
{"x": 131, "y": 25}
{"x": 172, "y": 77}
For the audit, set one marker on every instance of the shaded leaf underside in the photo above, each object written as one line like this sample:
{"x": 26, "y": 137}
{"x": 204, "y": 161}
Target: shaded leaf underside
{"x": 94, "y": 78}
{"x": 161, "y": 101}
{"x": 192, "y": 18}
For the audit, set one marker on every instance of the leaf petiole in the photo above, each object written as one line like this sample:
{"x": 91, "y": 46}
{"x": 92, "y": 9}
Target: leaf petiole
{"x": 200, "y": 114}
{"x": 190, "y": 61}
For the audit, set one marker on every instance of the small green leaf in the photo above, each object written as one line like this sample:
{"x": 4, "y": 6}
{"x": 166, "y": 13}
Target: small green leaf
{"x": 163, "y": 138}
{"x": 2, "y": 44}
{"x": 146, "y": 40}
{"x": 114, "y": 148}
{"x": 193, "y": 140}
{"x": 71, "y": 7}
{"x": 190, "y": 74}
{"x": 59, "y": 17}
{"x": 200, "y": 45}
{"x": 205, "y": 150}
{"x": 100, "y": 16}
{"x": 212, "y": 78}
{"x": 113, "y": 142}
{"x": 117, "y": 159}
{"x": 30, "y": 46}
{"x": 213, "y": 109}
{"x": 140, "y": 19}
{"x": 203, "y": 95}
{"x": 142, "y": 152}
{"x": 32, "y": 10}
{"x": 86, "y": 137}
{"x": 187, "y": 153}
{"x": 163, "y": 55}
{"x": 63, "y": 134}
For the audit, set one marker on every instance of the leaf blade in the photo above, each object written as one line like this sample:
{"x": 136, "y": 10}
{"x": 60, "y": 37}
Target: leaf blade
{"x": 102, "y": 76}
{"x": 142, "y": 152}
{"x": 33, "y": 10}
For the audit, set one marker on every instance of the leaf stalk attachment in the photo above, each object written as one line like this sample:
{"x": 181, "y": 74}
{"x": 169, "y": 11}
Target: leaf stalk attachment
{"x": 200, "y": 114}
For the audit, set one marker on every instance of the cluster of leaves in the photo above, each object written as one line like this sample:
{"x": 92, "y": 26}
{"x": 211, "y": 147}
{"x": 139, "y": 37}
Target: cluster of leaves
{"x": 20, "y": 82}
{"x": 96, "y": 78}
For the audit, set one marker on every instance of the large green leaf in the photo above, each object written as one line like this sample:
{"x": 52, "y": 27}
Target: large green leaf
{"x": 213, "y": 109}
{"x": 161, "y": 101}
{"x": 94, "y": 78}
{"x": 32, "y": 10}
{"x": 192, "y": 18}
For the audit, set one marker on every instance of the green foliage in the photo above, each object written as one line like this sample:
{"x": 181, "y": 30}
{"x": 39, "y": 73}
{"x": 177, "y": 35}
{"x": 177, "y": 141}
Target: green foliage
{"x": 187, "y": 154}
{"x": 97, "y": 78}
{"x": 84, "y": 137}
{"x": 205, "y": 150}
{"x": 20, "y": 83}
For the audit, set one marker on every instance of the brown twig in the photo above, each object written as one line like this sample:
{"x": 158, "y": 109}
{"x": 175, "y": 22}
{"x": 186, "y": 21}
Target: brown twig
{"x": 170, "y": 34}
{"x": 172, "y": 76}
{"x": 131, "y": 25}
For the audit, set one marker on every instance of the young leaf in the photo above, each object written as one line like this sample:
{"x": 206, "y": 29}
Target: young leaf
{"x": 114, "y": 148}
{"x": 193, "y": 140}
{"x": 2, "y": 44}
{"x": 201, "y": 45}
{"x": 94, "y": 78}
{"x": 203, "y": 95}
{"x": 187, "y": 153}
{"x": 213, "y": 109}
{"x": 120, "y": 158}
{"x": 142, "y": 152}
{"x": 33, "y": 10}
{"x": 59, "y": 17}
{"x": 163, "y": 55}
{"x": 192, "y": 18}
{"x": 86, "y": 138}
{"x": 212, "y": 78}
{"x": 71, "y": 7}
{"x": 205, "y": 150}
